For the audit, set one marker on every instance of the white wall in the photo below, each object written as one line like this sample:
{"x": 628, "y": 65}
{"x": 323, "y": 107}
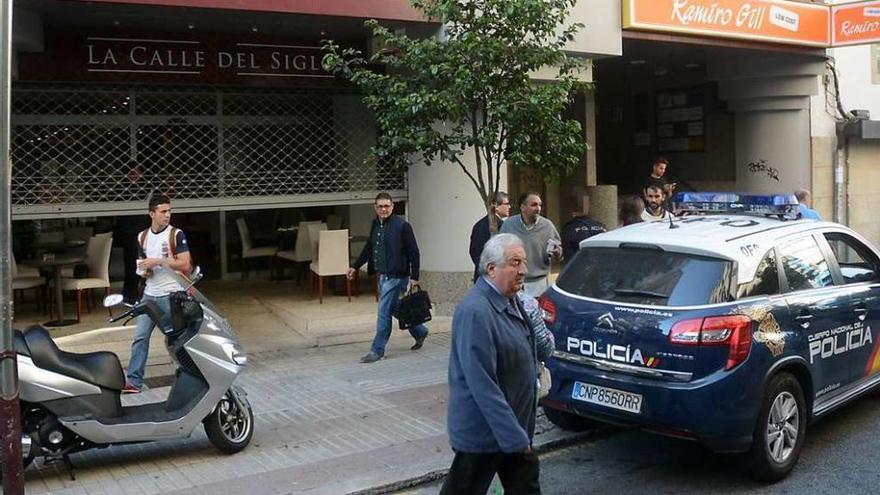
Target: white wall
{"x": 443, "y": 206}
{"x": 854, "y": 69}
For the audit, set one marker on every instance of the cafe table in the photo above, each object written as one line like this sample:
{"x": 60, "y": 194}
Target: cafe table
{"x": 54, "y": 264}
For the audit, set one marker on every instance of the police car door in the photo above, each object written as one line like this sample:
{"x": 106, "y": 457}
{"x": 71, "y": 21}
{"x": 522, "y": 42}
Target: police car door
{"x": 859, "y": 269}
{"x": 820, "y": 310}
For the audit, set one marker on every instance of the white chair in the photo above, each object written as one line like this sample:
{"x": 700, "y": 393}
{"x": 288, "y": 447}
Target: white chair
{"x": 248, "y": 251}
{"x": 314, "y": 237}
{"x": 27, "y": 277}
{"x": 98, "y": 261}
{"x": 302, "y": 251}
{"x": 332, "y": 259}
{"x": 23, "y": 271}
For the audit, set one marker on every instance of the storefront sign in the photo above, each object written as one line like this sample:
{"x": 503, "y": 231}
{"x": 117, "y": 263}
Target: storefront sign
{"x": 177, "y": 58}
{"x": 398, "y": 10}
{"x": 856, "y": 23}
{"x": 777, "y": 21}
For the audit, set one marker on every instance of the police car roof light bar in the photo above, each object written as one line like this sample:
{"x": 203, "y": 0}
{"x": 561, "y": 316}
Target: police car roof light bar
{"x": 783, "y": 206}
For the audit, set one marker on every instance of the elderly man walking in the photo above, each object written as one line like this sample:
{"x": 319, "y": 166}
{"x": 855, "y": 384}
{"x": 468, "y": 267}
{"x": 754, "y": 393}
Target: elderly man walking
{"x": 540, "y": 238}
{"x": 492, "y": 379}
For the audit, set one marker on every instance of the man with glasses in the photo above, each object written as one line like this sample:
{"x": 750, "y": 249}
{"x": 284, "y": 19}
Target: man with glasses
{"x": 391, "y": 252}
{"x": 480, "y": 233}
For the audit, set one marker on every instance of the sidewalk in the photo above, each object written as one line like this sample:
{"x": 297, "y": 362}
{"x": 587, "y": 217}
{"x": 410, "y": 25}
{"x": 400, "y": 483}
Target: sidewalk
{"x": 325, "y": 424}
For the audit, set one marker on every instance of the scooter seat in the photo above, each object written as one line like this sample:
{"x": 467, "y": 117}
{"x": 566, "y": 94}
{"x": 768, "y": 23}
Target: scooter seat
{"x": 18, "y": 343}
{"x": 100, "y": 368}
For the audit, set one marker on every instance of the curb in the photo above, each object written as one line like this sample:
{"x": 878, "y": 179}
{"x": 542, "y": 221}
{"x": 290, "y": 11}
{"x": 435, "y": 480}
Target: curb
{"x": 416, "y": 481}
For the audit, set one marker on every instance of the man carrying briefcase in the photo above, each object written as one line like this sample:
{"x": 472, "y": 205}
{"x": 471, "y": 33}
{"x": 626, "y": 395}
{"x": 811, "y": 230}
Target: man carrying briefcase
{"x": 393, "y": 253}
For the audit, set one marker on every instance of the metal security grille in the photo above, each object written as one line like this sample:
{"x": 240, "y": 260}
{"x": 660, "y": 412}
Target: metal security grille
{"x": 103, "y": 148}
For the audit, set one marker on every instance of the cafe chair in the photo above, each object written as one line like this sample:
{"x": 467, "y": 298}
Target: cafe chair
{"x": 302, "y": 251}
{"x": 24, "y": 270}
{"x": 332, "y": 259}
{"x": 26, "y": 278}
{"x": 249, "y": 252}
{"x": 98, "y": 260}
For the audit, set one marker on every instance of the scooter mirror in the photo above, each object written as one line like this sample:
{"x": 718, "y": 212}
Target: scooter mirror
{"x": 112, "y": 300}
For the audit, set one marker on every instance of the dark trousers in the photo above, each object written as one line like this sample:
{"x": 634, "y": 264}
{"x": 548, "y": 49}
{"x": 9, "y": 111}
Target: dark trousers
{"x": 471, "y": 474}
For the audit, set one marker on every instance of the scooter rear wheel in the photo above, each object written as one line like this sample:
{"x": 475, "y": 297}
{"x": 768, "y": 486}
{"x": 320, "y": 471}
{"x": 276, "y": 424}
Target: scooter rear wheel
{"x": 230, "y": 427}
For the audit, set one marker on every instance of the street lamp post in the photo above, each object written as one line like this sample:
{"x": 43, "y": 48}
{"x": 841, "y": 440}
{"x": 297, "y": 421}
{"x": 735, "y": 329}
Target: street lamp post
{"x": 10, "y": 414}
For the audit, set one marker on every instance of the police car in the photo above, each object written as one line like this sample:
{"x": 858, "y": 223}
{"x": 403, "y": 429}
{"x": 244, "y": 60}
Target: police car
{"x": 735, "y": 330}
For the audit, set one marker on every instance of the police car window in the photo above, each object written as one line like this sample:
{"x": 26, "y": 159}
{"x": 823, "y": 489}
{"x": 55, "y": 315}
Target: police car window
{"x": 766, "y": 281}
{"x": 857, "y": 262}
{"x": 649, "y": 276}
{"x": 804, "y": 264}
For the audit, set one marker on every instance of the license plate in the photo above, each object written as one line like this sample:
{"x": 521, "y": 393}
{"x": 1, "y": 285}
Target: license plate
{"x": 608, "y": 397}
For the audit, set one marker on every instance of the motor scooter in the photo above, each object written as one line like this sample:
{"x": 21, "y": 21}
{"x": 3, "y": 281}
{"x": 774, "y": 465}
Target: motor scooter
{"x": 71, "y": 402}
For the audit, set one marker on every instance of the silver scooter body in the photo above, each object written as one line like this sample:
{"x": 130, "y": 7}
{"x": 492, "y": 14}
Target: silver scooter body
{"x": 212, "y": 350}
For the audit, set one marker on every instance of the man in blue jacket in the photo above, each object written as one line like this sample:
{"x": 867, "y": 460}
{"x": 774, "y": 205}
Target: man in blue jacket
{"x": 492, "y": 379}
{"x": 393, "y": 253}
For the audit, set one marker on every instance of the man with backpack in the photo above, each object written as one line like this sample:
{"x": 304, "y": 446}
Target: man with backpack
{"x": 165, "y": 246}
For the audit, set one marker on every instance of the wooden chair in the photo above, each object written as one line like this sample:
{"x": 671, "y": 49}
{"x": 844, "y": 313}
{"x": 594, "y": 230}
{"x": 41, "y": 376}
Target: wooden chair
{"x": 248, "y": 251}
{"x": 332, "y": 259}
{"x": 98, "y": 260}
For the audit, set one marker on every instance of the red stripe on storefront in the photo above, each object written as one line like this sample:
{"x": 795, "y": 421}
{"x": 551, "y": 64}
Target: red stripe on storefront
{"x": 399, "y": 10}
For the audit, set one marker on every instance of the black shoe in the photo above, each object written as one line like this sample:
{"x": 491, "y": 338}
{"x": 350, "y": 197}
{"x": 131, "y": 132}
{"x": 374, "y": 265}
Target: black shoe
{"x": 419, "y": 342}
{"x": 371, "y": 357}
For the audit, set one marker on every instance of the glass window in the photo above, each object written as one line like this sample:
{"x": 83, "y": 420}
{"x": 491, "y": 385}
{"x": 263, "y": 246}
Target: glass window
{"x": 648, "y": 276}
{"x": 766, "y": 281}
{"x": 804, "y": 264}
{"x": 857, "y": 262}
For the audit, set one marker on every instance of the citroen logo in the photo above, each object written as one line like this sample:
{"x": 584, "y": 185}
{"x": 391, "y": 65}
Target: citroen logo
{"x": 606, "y": 321}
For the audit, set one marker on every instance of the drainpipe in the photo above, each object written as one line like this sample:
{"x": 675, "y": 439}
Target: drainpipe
{"x": 840, "y": 161}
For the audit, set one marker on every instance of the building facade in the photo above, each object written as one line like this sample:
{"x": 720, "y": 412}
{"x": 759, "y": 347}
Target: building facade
{"x": 226, "y": 108}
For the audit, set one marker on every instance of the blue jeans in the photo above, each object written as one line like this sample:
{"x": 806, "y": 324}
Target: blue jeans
{"x": 390, "y": 290}
{"x": 140, "y": 346}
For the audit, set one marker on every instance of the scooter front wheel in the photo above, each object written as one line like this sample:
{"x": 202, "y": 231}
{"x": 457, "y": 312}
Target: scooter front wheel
{"x": 231, "y": 426}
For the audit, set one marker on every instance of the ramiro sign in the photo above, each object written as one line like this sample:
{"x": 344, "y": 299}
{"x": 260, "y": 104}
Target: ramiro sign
{"x": 856, "y": 23}
{"x": 779, "y": 21}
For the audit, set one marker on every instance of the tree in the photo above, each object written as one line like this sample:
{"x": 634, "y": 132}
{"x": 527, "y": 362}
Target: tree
{"x": 469, "y": 89}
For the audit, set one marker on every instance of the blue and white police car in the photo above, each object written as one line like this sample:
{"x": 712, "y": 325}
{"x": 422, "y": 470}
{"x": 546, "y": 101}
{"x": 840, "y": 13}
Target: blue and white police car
{"x": 734, "y": 330}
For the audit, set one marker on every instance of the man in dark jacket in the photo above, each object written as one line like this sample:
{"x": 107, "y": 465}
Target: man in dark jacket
{"x": 391, "y": 252}
{"x": 480, "y": 232}
{"x": 492, "y": 379}
{"x": 577, "y": 229}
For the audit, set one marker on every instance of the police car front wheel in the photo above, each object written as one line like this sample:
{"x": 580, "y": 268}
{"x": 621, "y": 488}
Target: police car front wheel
{"x": 779, "y": 432}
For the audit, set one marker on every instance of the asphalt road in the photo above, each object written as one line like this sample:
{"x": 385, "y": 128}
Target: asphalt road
{"x": 840, "y": 457}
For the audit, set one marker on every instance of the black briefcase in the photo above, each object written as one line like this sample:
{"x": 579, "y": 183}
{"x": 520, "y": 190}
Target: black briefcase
{"x": 414, "y": 308}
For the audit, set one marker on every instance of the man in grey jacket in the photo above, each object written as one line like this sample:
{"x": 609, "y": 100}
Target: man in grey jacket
{"x": 492, "y": 379}
{"x": 540, "y": 238}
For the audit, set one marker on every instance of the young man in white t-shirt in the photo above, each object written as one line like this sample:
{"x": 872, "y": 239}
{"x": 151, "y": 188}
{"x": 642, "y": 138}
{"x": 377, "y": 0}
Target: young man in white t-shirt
{"x": 163, "y": 246}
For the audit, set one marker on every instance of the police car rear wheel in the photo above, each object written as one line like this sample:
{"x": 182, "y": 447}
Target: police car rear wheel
{"x": 568, "y": 421}
{"x": 780, "y": 429}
